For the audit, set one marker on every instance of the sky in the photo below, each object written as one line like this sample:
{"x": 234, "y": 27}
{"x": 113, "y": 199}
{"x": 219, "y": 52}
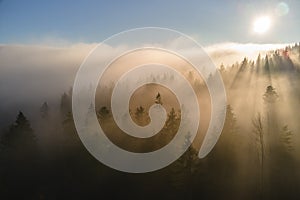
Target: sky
{"x": 43, "y": 43}
{"x": 209, "y": 22}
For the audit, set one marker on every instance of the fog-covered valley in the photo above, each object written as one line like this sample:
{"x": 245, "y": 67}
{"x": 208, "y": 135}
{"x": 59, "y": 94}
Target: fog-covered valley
{"x": 256, "y": 156}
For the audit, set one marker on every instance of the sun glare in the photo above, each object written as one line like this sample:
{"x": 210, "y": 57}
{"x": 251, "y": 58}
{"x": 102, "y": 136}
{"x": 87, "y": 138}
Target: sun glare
{"x": 262, "y": 24}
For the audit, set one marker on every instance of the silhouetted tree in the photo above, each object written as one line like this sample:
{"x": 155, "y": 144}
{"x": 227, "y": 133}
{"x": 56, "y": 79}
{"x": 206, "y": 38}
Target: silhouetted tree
{"x": 172, "y": 122}
{"x": 141, "y": 116}
{"x": 19, "y": 159}
{"x": 286, "y": 138}
{"x": 244, "y": 64}
{"x": 270, "y": 95}
{"x": 189, "y": 158}
{"x": 267, "y": 64}
{"x": 20, "y": 135}
{"x": 258, "y": 63}
{"x": 44, "y": 110}
{"x": 158, "y": 99}
{"x": 258, "y": 131}
{"x": 222, "y": 69}
{"x": 103, "y": 112}
{"x": 66, "y": 102}
{"x": 185, "y": 169}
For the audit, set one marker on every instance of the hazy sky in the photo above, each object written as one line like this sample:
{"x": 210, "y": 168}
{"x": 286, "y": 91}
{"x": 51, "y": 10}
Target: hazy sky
{"x": 209, "y": 22}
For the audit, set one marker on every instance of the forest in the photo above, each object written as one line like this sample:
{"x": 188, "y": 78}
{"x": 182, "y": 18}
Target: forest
{"x": 256, "y": 156}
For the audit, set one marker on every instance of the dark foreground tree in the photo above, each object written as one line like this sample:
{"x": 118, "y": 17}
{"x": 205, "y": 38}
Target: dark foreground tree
{"x": 19, "y": 158}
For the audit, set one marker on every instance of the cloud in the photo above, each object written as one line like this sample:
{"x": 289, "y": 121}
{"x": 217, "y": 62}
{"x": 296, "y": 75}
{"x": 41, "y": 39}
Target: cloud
{"x": 35, "y": 73}
{"x": 229, "y": 53}
{"x": 30, "y": 72}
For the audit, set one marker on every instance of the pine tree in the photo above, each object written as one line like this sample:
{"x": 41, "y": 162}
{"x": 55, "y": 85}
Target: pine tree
{"x": 172, "y": 122}
{"x": 184, "y": 169}
{"x": 103, "y": 112}
{"x": 286, "y": 138}
{"x": 20, "y": 140}
{"x": 222, "y": 69}
{"x": 259, "y": 132}
{"x": 44, "y": 110}
{"x": 244, "y": 64}
{"x": 19, "y": 159}
{"x": 258, "y": 63}
{"x": 267, "y": 64}
{"x": 189, "y": 157}
{"x": 141, "y": 116}
{"x": 66, "y": 102}
{"x": 158, "y": 99}
{"x": 270, "y": 95}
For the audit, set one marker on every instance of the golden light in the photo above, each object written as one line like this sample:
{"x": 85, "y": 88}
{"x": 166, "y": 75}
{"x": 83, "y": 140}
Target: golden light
{"x": 262, "y": 24}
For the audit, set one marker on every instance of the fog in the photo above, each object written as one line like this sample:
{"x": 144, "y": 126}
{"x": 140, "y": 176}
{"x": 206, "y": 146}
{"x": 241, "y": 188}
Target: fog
{"x": 256, "y": 156}
{"x": 36, "y": 73}
{"x": 32, "y": 74}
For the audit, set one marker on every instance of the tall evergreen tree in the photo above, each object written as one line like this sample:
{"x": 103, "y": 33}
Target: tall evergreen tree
{"x": 172, "y": 122}
{"x": 44, "y": 110}
{"x": 20, "y": 135}
{"x": 259, "y": 132}
{"x": 66, "y": 102}
{"x": 270, "y": 95}
{"x": 141, "y": 116}
{"x": 19, "y": 159}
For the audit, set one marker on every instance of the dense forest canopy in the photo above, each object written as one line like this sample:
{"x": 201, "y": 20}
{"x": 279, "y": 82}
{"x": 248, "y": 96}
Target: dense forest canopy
{"x": 256, "y": 157}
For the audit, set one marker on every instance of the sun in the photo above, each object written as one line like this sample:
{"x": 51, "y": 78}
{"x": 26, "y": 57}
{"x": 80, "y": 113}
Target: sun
{"x": 262, "y": 24}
